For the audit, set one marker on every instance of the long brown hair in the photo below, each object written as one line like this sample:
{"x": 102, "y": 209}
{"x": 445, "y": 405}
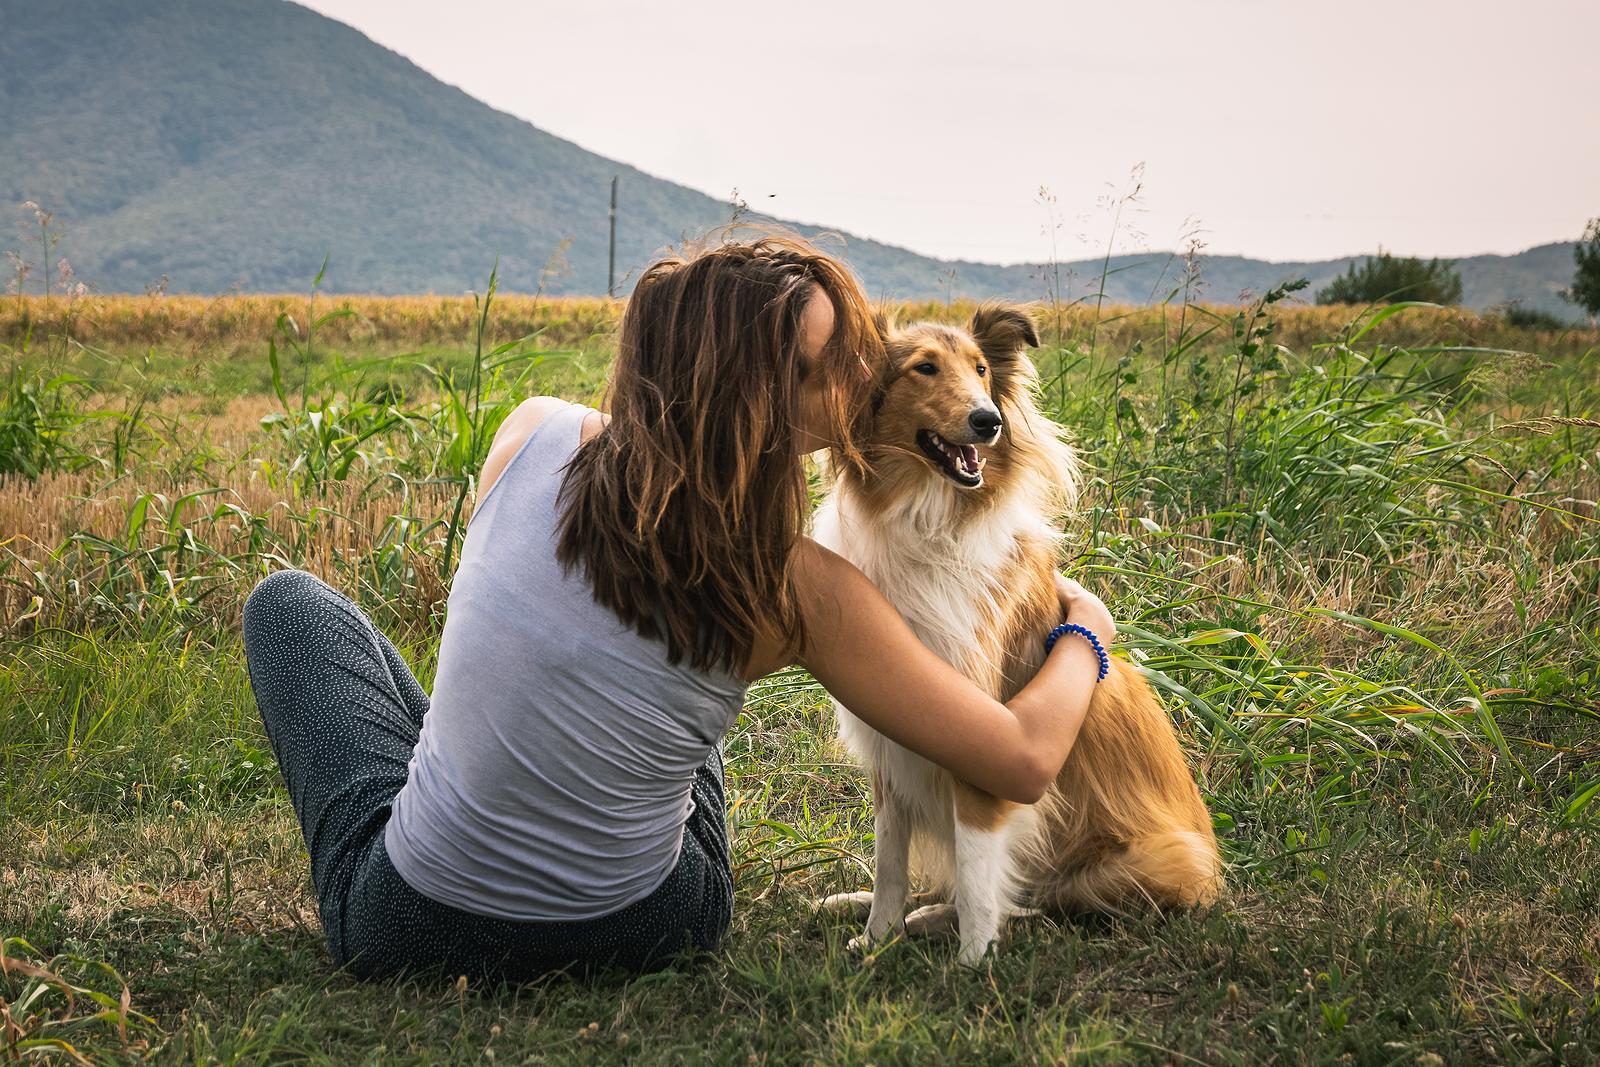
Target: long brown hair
{"x": 683, "y": 511}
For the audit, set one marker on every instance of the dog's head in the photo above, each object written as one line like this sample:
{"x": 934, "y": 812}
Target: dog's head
{"x": 953, "y": 403}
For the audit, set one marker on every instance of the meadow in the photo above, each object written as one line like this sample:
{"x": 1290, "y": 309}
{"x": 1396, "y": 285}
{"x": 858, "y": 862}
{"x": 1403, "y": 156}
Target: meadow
{"x": 1356, "y": 551}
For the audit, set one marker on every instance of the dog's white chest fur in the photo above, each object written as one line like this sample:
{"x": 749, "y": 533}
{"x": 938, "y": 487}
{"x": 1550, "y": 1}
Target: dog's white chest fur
{"x": 948, "y": 588}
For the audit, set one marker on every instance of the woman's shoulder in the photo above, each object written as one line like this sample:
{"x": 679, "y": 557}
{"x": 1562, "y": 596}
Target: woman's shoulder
{"x": 521, "y": 423}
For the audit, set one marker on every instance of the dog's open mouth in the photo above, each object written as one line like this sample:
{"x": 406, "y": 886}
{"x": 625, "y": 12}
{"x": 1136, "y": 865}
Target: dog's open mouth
{"x": 960, "y": 462}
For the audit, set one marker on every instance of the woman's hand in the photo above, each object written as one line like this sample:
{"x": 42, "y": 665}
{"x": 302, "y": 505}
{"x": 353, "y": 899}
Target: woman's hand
{"x": 1085, "y": 609}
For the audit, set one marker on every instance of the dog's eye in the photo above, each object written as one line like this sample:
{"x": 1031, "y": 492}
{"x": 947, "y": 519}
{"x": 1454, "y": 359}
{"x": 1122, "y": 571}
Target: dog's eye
{"x": 926, "y": 368}
{"x": 982, "y": 370}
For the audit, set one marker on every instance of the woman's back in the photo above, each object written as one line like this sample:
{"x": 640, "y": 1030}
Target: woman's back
{"x": 552, "y": 778}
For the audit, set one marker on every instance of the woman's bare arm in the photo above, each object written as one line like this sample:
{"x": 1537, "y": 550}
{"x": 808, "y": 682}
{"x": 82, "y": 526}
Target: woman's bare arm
{"x": 867, "y": 657}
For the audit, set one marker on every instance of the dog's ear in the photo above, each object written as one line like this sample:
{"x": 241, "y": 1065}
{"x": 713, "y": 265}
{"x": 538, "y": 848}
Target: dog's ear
{"x": 883, "y": 320}
{"x": 1003, "y": 333}
{"x": 1002, "y": 330}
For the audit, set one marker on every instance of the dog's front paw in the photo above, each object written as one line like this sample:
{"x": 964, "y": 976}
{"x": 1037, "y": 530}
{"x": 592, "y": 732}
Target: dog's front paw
{"x": 868, "y": 942}
{"x": 867, "y": 945}
{"x": 855, "y": 906}
{"x": 973, "y": 952}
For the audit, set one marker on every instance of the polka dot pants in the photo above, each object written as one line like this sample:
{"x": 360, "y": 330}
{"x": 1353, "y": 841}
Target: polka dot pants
{"x": 343, "y": 713}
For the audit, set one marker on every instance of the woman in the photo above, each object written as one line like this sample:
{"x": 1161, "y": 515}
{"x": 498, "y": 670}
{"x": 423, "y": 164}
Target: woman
{"x": 623, "y": 580}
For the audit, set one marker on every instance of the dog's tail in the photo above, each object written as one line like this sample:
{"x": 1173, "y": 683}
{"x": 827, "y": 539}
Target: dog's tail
{"x": 1177, "y": 869}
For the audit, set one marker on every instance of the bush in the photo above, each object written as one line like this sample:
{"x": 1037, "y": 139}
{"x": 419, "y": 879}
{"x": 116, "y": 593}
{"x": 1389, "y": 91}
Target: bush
{"x": 35, "y": 416}
{"x": 1585, "y": 289}
{"x": 1533, "y": 318}
{"x": 1384, "y": 279}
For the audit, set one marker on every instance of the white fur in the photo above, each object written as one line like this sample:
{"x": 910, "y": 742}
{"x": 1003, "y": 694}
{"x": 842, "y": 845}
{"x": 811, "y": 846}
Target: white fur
{"x": 943, "y": 583}
{"x": 891, "y": 881}
{"x": 946, "y": 586}
{"x": 985, "y": 886}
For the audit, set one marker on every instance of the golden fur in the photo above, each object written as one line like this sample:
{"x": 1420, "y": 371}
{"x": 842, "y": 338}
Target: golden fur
{"x": 971, "y": 569}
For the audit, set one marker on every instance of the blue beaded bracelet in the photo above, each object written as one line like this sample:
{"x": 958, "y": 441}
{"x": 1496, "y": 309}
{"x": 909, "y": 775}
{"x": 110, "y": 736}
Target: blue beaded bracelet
{"x": 1084, "y": 631}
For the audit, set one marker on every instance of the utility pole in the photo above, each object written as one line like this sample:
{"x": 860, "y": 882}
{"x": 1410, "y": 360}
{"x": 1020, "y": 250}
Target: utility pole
{"x": 611, "y": 269}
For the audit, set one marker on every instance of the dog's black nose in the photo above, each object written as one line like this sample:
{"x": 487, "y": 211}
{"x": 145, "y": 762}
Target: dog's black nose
{"x": 984, "y": 423}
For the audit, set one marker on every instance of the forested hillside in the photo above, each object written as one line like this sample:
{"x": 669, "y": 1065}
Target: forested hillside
{"x": 238, "y": 141}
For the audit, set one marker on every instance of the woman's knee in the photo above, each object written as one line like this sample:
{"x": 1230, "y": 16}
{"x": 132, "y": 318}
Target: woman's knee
{"x": 285, "y": 609}
{"x": 288, "y": 601}
{"x": 275, "y": 593}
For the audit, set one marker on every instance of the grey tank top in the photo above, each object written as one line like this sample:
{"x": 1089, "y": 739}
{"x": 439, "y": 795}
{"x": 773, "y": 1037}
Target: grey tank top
{"x": 551, "y": 780}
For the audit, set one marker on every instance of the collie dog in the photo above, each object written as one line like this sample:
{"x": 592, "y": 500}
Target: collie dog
{"x": 953, "y": 521}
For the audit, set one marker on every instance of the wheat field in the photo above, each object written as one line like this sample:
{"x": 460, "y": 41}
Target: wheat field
{"x": 1356, "y": 551}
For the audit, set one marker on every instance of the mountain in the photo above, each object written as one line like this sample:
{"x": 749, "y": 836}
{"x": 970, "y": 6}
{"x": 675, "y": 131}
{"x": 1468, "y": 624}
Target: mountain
{"x": 1533, "y": 277}
{"x": 223, "y": 142}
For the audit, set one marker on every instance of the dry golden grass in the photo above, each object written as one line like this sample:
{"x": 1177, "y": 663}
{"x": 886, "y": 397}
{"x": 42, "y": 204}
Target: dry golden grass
{"x": 1465, "y": 587}
{"x": 170, "y": 862}
{"x": 382, "y": 548}
{"x": 1115, "y": 327}
{"x": 222, "y": 323}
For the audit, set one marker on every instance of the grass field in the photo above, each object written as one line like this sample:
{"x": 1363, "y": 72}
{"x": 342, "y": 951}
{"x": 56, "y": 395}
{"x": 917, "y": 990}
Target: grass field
{"x": 1357, "y": 552}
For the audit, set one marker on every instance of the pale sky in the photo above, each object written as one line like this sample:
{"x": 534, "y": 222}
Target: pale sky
{"x": 1287, "y": 131}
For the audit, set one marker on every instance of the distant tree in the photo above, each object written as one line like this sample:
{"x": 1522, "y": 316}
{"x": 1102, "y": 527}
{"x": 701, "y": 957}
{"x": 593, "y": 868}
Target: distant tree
{"x": 1527, "y": 318}
{"x": 1383, "y": 279}
{"x": 1585, "y": 288}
